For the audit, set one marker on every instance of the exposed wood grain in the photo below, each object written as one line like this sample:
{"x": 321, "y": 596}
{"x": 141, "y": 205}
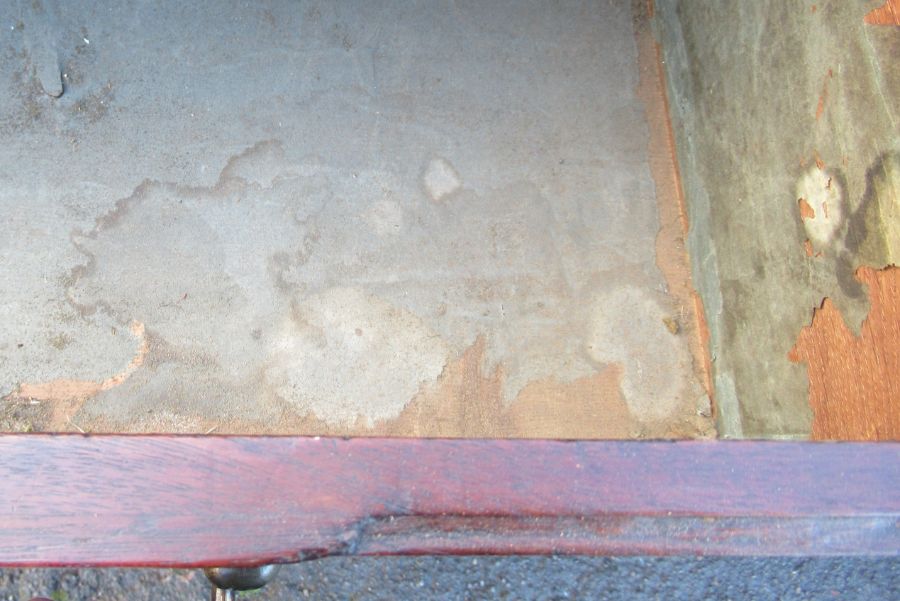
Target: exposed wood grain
{"x": 886, "y": 14}
{"x": 188, "y": 501}
{"x": 854, "y": 382}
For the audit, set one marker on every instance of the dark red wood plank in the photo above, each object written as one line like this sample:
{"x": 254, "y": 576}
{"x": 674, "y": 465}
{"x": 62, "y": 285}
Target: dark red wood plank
{"x": 191, "y": 501}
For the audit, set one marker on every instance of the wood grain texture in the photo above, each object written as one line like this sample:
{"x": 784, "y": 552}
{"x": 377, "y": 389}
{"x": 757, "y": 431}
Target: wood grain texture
{"x": 854, "y": 382}
{"x": 886, "y": 14}
{"x": 193, "y": 501}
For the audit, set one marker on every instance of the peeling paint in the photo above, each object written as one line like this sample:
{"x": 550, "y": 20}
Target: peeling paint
{"x": 488, "y": 200}
{"x": 671, "y": 252}
{"x": 886, "y": 14}
{"x": 854, "y": 381}
{"x": 68, "y": 395}
{"x": 820, "y": 198}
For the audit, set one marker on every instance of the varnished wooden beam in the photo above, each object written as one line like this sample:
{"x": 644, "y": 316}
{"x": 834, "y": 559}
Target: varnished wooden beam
{"x": 195, "y": 501}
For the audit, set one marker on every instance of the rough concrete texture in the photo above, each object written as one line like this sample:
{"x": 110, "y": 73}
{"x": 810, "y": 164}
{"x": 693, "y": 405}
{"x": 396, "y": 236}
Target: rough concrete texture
{"x": 463, "y": 578}
{"x": 786, "y": 118}
{"x": 230, "y": 214}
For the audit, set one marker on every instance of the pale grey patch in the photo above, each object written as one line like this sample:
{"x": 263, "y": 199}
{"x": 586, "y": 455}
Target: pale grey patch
{"x": 345, "y": 353}
{"x": 628, "y": 328}
{"x": 440, "y": 179}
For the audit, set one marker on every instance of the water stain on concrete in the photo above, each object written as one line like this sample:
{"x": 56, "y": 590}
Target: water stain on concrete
{"x": 285, "y": 294}
{"x": 474, "y": 211}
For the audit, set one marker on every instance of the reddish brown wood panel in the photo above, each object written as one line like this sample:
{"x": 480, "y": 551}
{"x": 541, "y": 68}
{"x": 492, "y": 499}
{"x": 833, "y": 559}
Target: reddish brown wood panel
{"x": 854, "y": 381}
{"x": 886, "y": 14}
{"x": 190, "y": 501}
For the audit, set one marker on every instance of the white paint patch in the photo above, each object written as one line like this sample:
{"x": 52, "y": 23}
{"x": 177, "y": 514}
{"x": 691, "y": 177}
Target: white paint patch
{"x": 824, "y": 195}
{"x": 441, "y": 179}
{"x": 347, "y": 354}
{"x": 628, "y": 328}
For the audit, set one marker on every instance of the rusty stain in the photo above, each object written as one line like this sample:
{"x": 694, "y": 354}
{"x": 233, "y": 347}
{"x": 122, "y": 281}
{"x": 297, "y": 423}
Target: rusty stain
{"x": 886, "y": 14}
{"x": 820, "y": 108}
{"x": 813, "y": 8}
{"x": 68, "y": 395}
{"x": 806, "y": 211}
{"x": 854, "y": 382}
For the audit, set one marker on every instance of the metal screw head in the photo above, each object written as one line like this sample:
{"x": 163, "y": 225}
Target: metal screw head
{"x": 241, "y": 579}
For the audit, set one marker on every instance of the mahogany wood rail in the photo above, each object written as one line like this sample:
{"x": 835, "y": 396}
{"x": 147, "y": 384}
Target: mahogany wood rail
{"x": 217, "y": 500}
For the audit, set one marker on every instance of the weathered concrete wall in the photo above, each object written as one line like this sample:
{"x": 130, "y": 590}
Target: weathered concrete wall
{"x": 774, "y": 101}
{"x": 335, "y": 217}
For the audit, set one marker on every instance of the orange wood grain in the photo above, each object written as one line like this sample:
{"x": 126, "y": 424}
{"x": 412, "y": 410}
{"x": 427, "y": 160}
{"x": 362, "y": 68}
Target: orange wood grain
{"x": 854, "y": 382}
{"x": 887, "y": 14}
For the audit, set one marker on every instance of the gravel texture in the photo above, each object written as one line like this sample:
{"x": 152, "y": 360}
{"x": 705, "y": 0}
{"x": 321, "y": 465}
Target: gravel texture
{"x": 545, "y": 578}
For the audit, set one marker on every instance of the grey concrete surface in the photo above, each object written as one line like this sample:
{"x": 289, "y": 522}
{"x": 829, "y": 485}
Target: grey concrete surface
{"x": 468, "y": 578}
{"x": 230, "y": 212}
{"x": 773, "y": 101}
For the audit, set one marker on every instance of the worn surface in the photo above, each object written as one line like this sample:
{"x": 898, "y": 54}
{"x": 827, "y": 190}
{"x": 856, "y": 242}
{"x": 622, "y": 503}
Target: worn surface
{"x": 72, "y": 500}
{"x": 474, "y": 578}
{"x": 341, "y": 218}
{"x": 786, "y": 120}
